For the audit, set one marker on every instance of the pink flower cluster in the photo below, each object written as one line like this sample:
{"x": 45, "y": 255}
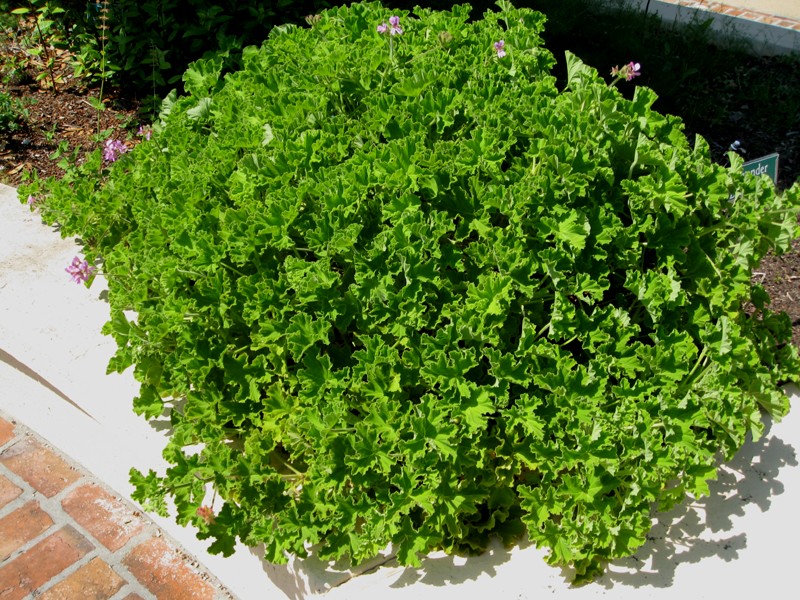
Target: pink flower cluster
{"x": 80, "y": 270}
{"x": 206, "y": 513}
{"x": 627, "y": 72}
{"x": 113, "y": 149}
{"x": 393, "y": 28}
{"x": 500, "y": 48}
{"x": 145, "y": 131}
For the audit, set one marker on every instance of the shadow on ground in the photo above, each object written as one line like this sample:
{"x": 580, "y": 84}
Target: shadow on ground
{"x": 698, "y": 530}
{"x": 690, "y": 533}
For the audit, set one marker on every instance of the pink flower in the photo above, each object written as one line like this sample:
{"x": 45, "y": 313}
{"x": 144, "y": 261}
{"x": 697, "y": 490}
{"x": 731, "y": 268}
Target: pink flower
{"x": 632, "y": 70}
{"x": 145, "y": 131}
{"x": 393, "y": 27}
{"x": 33, "y": 202}
{"x": 113, "y": 149}
{"x": 627, "y": 72}
{"x": 500, "y": 48}
{"x": 206, "y": 513}
{"x": 395, "y": 23}
{"x": 80, "y": 270}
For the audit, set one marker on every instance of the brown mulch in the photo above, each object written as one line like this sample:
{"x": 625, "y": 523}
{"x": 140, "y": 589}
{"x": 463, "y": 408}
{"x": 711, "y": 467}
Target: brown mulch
{"x": 68, "y": 116}
{"x": 780, "y": 276}
{"x": 54, "y": 118}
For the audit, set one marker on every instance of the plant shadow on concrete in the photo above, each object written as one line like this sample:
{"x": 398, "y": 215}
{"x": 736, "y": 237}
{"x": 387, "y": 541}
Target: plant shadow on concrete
{"x": 690, "y": 533}
{"x": 703, "y": 529}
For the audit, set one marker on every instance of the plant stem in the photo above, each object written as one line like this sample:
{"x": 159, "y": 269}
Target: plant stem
{"x": 697, "y": 365}
{"x": 48, "y": 63}
{"x": 288, "y": 466}
{"x": 103, "y": 29}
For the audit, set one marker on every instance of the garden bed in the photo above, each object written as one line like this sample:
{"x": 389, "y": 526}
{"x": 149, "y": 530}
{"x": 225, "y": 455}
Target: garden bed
{"x": 251, "y": 299}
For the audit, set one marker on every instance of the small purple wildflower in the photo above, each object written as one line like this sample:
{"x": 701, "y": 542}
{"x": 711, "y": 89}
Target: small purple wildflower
{"x": 145, "y": 131}
{"x": 393, "y": 28}
{"x": 33, "y": 202}
{"x": 113, "y": 149}
{"x": 395, "y": 23}
{"x": 80, "y": 270}
{"x": 500, "y": 48}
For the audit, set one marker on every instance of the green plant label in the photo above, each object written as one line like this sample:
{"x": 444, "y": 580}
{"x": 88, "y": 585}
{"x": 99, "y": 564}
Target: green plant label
{"x": 766, "y": 165}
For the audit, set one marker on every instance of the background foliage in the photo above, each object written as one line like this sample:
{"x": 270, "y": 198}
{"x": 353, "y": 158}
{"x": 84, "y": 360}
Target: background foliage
{"x": 149, "y": 43}
{"x": 12, "y": 113}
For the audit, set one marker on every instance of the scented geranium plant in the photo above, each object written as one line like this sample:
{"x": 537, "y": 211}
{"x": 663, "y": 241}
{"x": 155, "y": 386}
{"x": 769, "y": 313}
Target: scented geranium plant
{"x": 393, "y": 286}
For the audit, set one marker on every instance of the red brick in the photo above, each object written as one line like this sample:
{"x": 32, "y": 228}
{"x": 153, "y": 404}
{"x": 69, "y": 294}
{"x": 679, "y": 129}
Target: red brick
{"x": 39, "y": 564}
{"x": 8, "y": 491}
{"x": 734, "y": 12}
{"x": 109, "y": 520}
{"x": 21, "y": 526}
{"x": 93, "y": 581}
{"x": 6, "y": 431}
{"x": 42, "y": 468}
{"x": 762, "y": 18}
{"x": 165, "y": 572}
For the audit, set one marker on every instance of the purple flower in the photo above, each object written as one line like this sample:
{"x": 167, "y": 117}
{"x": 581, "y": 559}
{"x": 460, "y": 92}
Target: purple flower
{"x": 33, "y": 202}
{"x": 145, "y": 131}
{"x": 395, "y": 23}
{"x": 632, "y": 70}
{"x": 80, "y": 270}
{"x": 627, "y": 72}
{"x": 500, "y": 48}
{"x": 393, "y": 27}
{"x": 113, "y": 149}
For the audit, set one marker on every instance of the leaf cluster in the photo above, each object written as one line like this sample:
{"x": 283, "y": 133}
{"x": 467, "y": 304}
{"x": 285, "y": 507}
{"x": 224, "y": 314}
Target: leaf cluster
{"x": 13, "y": 113}
{"x": 402, "y": 291}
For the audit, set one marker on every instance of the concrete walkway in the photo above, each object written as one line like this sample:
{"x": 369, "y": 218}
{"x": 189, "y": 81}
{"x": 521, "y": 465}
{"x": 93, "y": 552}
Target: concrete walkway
{"x": 773, "y": 11}
{"x": 771, "y": 26}
{"x": 53, "y": 381}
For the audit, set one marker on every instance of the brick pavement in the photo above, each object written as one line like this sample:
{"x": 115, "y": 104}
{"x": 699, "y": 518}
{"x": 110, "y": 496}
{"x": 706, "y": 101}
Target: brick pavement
{"x": 65, "y": 536}
{"x": 742, "y": 12}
